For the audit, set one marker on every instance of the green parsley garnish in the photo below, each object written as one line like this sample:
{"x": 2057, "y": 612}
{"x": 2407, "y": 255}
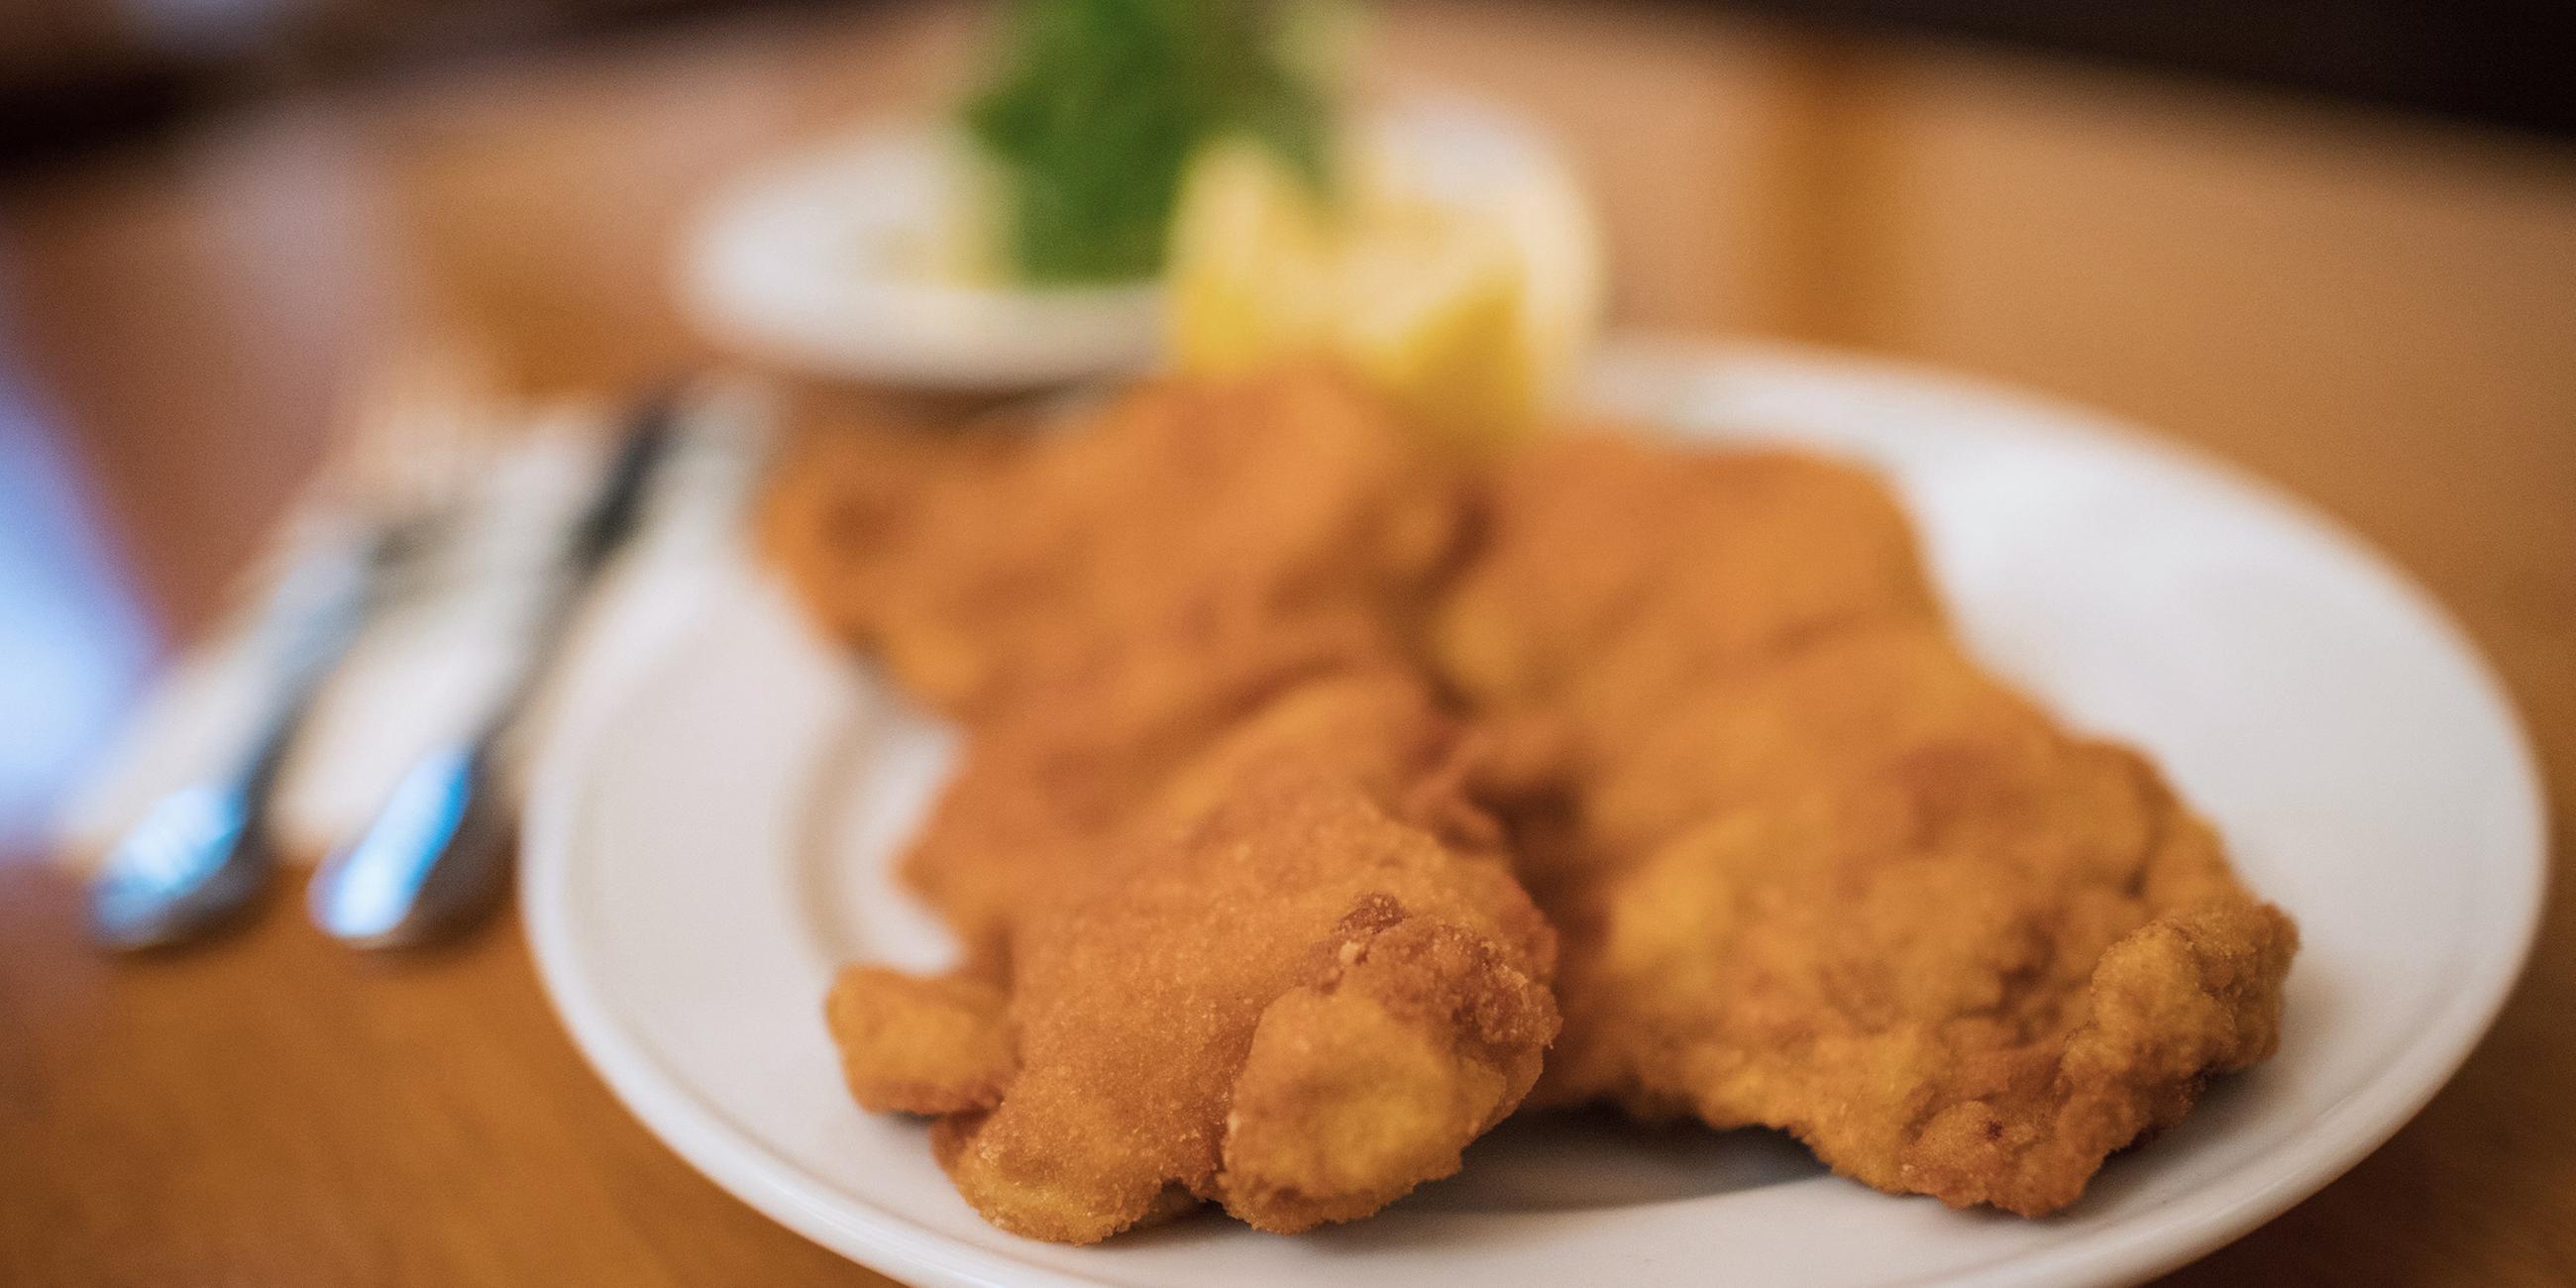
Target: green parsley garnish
{"x": 1094, "y": 107}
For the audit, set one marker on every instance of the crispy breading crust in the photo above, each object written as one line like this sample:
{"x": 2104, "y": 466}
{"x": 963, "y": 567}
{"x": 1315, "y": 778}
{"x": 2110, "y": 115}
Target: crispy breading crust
{"x": 1044, "y": 783}
{"x": 916, "y": 1044}
{"x": 1970, "y": 957}
{"x": 1813, "y": 868}
{"x": 1287, "y": 970}
{"x": 1242, "y": 933}
{"x": 1299, "y": 1009}
{"x": 1215, "y": 508}
{"x": 1615, "y": 571}
{"x": 1236, "y": 933}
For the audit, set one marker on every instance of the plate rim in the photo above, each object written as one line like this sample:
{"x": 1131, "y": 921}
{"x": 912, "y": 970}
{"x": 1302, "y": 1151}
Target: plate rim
{"x": 557, "y": 802}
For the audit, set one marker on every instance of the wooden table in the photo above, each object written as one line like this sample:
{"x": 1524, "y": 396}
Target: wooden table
{"x": 2380, "y": 314}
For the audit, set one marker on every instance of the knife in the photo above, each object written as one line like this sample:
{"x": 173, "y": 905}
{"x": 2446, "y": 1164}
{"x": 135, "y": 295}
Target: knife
{"x": 435, "y": 858}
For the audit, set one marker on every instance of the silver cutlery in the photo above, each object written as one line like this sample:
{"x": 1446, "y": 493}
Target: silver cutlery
{"x": 201, "y": 856}
{"x": 437, "y": 855}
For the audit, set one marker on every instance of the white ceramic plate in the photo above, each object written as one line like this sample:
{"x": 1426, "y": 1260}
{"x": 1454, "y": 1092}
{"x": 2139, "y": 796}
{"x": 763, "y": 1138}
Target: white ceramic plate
{"x": 711, "y": 828}
{"x": 823, "y": 260}
{"x": 819, "y": 262}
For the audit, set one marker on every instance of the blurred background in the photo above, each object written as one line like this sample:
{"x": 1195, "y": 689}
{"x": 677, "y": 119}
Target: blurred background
{"x": 2323, "y": 235}
{"x": 2350, "y": 224}
{"x": 2332, "y": 240}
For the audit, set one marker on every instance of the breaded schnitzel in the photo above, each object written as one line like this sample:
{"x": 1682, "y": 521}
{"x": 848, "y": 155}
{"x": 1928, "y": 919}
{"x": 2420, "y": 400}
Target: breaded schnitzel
{"x": 1615, "y": 571}
{"x": 1042, "y": 783}
{"x": 1812, "y": 867}
{"x": 1235, "y": 931}
{"x": 1951, "y": 948}
{"x": 1265, "y": 988}
{"x": 1216, "y": 508}
{"x": 1242, "y": 930}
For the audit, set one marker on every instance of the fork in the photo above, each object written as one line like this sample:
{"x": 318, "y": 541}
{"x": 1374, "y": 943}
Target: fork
{"x": 200, "y": 857}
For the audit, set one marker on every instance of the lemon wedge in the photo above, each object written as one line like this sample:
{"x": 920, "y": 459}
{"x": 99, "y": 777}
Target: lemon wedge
{"x": 1250, "y": 272}
{"x": 1454, "y": 266}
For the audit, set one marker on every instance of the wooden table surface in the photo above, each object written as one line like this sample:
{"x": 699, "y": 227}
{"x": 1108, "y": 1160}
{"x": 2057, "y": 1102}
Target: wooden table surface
{"x": 2378, "y": 313}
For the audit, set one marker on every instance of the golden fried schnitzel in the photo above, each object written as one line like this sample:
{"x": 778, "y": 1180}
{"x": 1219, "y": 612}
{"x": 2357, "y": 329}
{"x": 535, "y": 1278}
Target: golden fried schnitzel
{"x": 1042, "y": 782}
{"x": 1235, "y": 932}
{"x": 1243, "y": 926}
{"x": 1813, "y": 868}
{"x": 1266, "y": 988}
{"x": 1220, "y": 508}
{"x": 1615, "y": 571}
{"x": 1953, "y": 949}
